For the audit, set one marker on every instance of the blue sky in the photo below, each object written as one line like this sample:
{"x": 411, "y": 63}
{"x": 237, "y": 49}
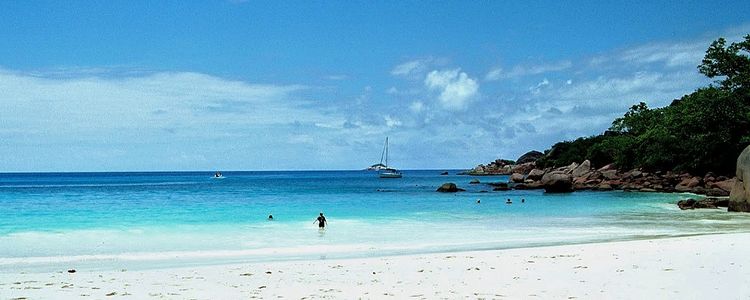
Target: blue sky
{"x": 250, "y": 85}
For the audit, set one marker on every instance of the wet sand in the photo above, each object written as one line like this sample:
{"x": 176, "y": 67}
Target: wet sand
{"x": 698, "y": 267}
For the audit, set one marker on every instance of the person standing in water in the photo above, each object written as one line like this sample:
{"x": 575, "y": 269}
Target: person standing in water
{"x": 321, "y": 221}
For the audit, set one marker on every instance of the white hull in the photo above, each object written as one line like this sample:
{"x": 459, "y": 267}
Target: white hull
{"x": 390, "y": 175}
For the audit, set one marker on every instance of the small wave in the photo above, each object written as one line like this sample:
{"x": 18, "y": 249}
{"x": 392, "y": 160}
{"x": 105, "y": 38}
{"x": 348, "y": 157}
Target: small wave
{"x": 311, "y": 250}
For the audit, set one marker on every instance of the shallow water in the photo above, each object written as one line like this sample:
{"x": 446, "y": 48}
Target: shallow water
{"x": 140, "y": 220}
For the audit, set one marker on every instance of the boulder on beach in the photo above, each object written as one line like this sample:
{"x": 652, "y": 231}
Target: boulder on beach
{"x": 582, "y": 169}
{"x": 704, "y": 203}
{"x": 609, "y": 174}
{"x": 716, "y": 192}
{"x": 739, "y": 198}
{"x": 723, "y": 184}
{"x": 501, "y": 186}
{"x": 557, "y": 182}
{"x": 523, "y": 168}
{"x": 516, "y": 177}
{"x": 449, "y": 187}
{"x": 535, "y": 174}
{"x": 528, "y": 186}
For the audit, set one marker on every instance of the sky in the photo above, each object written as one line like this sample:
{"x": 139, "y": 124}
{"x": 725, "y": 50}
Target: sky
{"x": 319, "y": 85}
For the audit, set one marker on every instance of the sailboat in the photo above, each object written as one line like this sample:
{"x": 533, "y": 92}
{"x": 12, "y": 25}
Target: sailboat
{"x": 385, "y": 170}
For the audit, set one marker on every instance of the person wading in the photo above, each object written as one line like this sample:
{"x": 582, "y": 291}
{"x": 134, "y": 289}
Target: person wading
{"x": 321, "y": 221}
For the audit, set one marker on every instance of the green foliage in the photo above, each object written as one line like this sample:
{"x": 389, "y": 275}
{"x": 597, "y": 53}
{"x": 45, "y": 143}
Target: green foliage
{"x": 731, "y": 62}
{"x": 700, "y": 132}
{"x": 564, "y": 153}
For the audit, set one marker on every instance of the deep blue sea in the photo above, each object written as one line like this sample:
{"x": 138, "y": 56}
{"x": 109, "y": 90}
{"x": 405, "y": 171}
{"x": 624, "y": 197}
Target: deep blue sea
{"x": 153, "y": 219}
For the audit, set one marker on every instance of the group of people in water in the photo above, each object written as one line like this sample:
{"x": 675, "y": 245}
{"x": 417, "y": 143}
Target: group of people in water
{"x": 523, "y": 200}
{"x": 321, "y": 220}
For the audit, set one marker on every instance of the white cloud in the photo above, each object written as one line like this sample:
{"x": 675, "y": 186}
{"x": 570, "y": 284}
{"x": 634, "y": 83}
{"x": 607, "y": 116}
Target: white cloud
{"x": 417, "y": 106}
{"x": 455, "y": 87}
{"x": 525, "y": 70}
{"x": 148, "y": 100}
{"x": 413, "y": 67}
{"x": 391, "y": 121}
{"x": 538, "y": 87}
{"x": 166, "y": 120}
{"x": 494, "y": 74}
{"x": 676, "y": 54}
{"x": 337, "y": 77}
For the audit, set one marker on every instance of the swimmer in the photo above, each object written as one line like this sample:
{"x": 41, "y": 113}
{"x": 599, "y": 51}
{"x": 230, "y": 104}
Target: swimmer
{"x": 508, "y": 201}
{"x": 523, "y": 200}
{"x": 321, "y": 220}
{"x": 270, "y": 217}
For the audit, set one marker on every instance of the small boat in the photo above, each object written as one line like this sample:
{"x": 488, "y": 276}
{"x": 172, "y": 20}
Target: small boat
{"x": 385, "y": 170}
{"x": 376, "y": 167}
{"x": 390, "y": 173}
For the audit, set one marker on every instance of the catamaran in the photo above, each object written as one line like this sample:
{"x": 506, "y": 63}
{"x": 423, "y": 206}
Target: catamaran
{"x": 385, "y": 170}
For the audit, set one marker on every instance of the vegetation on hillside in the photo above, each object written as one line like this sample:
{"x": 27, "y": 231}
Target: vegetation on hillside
{"x": 700, "y": 132}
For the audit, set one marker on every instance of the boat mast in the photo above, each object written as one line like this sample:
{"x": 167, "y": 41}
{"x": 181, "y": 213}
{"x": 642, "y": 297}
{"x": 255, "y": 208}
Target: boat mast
{"x": 386, "y": 152}
{"x": 382, "y": 154}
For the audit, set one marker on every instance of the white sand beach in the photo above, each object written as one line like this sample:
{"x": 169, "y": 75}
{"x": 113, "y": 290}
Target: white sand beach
{"x": 697, "y": 267}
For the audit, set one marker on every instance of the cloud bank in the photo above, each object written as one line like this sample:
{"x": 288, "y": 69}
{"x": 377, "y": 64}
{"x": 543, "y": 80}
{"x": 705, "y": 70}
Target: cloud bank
{"x": 435, "y": 111}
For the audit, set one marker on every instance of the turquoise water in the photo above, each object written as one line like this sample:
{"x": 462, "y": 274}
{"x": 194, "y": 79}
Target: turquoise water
{"x": 136, "y": 220}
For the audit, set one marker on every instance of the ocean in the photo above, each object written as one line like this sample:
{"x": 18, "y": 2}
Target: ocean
{"x": 54, "y": 221}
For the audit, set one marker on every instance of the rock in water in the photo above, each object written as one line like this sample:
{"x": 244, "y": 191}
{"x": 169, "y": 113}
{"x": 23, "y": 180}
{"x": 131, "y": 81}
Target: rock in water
{"x": 686, "y": 204}
{"x": 516, "y": 177}
{"x": 557, "y": 182}
{"x": 444, "y": 173}
{"x": 449, "y": 187}
{"x": 739, "y": 198}
{"x": 474, "y": 181}
{"x": 535, "y": 174}
{"x": 705, "y": 203}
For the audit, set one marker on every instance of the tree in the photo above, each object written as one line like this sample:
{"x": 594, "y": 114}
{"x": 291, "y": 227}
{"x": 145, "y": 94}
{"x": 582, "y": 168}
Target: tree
{"x": 637, "y": 120}
{"x": 700, "y": 132}
{"x": 731, "y": 62}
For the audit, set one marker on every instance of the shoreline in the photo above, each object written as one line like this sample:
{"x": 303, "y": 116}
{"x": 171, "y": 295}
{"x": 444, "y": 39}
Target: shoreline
{"x": 655, "y": 268}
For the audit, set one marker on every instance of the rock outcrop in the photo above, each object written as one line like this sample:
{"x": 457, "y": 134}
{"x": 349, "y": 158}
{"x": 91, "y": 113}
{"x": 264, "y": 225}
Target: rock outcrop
{"x": 739, "y": 198}
{"x": 528, "y": 157}
{"x": 581, "y": 169}
{"x": 524, "y": 165}
{"x": 584, "y": 176}
{"x": 557, "y": 182}
{"x": 449, "y": 187}
{"x": 704, "y": 203}
{"x": 500, "y": 186}
{"x": 535, "y": 175}
{"x": 516, "y": 177}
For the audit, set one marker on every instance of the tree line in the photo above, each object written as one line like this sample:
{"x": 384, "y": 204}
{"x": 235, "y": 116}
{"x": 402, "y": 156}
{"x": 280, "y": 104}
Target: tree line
{"x": 700, "y": 132}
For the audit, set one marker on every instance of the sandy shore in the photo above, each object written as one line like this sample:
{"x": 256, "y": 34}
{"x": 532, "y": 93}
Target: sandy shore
{"x": 700, "y": 267}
